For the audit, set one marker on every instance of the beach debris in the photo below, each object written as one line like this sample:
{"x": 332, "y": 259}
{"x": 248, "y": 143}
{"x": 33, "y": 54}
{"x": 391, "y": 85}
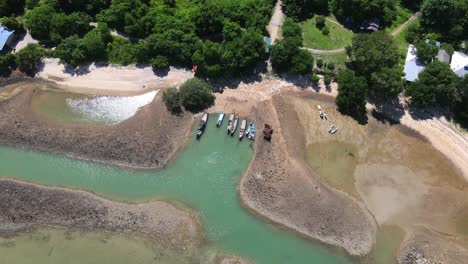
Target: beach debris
{"x": 242, "y": 128}
{"x": 267, "y": 132}
{"x": 220, "y": 120}
{"x": 202, "y": 125}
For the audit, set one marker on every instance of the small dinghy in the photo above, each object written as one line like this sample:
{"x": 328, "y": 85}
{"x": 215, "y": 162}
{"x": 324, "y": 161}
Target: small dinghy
{"x": 234, "y": 125}
{"x": 202, "y": 125}
{"x": 220, "y": 120}
{"x": 321, "y": 113}
{"x": 251, "y": 135}
{"x": 242, "y": 128}
{"x": 230, "y": 123}
{"x": 332, "y": 129}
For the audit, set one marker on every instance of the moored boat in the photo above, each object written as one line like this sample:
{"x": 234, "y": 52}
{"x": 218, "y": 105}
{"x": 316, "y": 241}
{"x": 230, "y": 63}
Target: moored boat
{"x": 230, "y": 122}
{"x": 220, "y": 120}
{"x": 251, "y": 135}
{"x": 202, "y": 125}
{"x": 242, "y": 128}
{"x": 234, "y": 125}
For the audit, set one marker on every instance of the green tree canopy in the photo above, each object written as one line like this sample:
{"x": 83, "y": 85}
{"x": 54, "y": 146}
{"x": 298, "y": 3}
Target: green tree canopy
{"x": 28, "y": 58}
{"x": 360, "y": 10}
{"x": 171, "y": 99}
{"x": 63, "y": 26}
{"x": 372, "y": 52}
{"x": 436, "y": 85}
{"x": 38, "y": 21}
{"x": 426, "y": 52}
{"x": 11, "y": 7}
{"x": 352, "y": 92}
{"x": 71, "y": 51}
{"x": 196, "y": 95}
{"x": 447, "y": 17}
{"x": 387, "y": 83}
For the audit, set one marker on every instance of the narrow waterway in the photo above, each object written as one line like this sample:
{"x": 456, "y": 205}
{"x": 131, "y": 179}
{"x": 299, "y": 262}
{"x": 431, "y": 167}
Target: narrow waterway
{"x": 204, "y": 176}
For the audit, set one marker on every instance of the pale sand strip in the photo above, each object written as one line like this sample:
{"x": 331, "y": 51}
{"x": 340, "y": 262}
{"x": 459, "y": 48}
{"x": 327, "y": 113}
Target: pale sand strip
{"x": 111, "y": 78}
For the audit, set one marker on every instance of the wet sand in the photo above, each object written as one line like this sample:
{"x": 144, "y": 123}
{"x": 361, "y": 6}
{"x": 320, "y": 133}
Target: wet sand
{"x": 25, "y": 206}
{"x": 395, "y": 172}
{"x": 142, "y": 141}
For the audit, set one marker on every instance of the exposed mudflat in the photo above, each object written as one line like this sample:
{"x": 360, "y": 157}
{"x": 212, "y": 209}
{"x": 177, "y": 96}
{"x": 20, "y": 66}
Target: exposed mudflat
{"x": 24, "y": 206}
{"x": 281, "y": 186}
{"x": 149, "y": 139}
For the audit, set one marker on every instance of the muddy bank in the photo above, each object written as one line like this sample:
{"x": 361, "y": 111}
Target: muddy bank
{"x": 399, "y": 176}
{"x": 281, "y": 186}
{"x": 149, "y": 139}
{"x": 24, "y": 205}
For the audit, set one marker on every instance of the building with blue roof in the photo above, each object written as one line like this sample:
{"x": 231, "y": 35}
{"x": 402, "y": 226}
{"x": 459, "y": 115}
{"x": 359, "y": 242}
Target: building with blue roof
{"x": 6, "y": 37}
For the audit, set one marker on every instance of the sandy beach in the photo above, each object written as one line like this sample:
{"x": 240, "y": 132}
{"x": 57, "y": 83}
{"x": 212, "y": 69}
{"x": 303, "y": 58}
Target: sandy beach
{"x": 107, "y": 79}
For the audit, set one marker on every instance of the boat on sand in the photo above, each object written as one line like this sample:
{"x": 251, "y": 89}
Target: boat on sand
{"x": 242, "y": 128}
{"x": 202, "y": 125}
{"x": 220, "y": 120}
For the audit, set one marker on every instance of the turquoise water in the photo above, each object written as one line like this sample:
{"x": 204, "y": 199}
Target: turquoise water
{"x": 204, "y": 176}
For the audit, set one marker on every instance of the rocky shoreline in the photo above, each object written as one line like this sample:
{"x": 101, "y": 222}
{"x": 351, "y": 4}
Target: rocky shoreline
{"x": 141, "y": 141}
{"x": 24, "y": 206}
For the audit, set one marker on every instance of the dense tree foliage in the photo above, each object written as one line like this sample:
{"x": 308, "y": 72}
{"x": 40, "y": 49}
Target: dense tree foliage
{"x": 196, "y": 95}
{"x": 436, "y": 85}
{"x": 386, "y": 83}
{"x": 460, "y": 105}
{"x": 304, "y": 8}
{"x": 370, "y": 53}
{"x": 426, "y": 52}
{"x": 71, "y": 51}
{"x": 28, "y": 58}
{"x": 286, "y": 55}
{"x": 171, "y": 99}
{"x": 11, "y": 7}
{"x": 358, "y": 10}
{"x": 352, "y": 92}
{"x": 7, "y": 62}
{"x": 38, "y": 21}
{"x": 446, "y": 17}
{"x": 12, "y": 23}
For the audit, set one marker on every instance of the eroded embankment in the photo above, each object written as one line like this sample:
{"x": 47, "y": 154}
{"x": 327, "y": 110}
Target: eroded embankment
{"x": 282, "y": 187}
{"x": 149, "y": 139}
{"x": 25, "y": 205}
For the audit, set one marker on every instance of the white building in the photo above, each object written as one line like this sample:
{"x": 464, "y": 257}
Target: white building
{"x": 459, "y": 64}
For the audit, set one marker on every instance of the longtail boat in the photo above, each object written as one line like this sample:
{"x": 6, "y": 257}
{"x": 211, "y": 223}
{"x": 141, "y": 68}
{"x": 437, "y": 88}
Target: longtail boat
{"x": 220, "y": 120}
{"x": 242, "y": 128}
{"x": 234, "y": 125}
{"x": 230, "y": 123}
{"x": 202, "y": 125}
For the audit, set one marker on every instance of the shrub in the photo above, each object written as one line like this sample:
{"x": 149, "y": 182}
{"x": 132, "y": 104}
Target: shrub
{"x": 315, "y": 79}
{"x": 319, "y": 63}
{"x": 196, "y": 95}
{"x": 160, "y": 62}
{"x": 331, "y": 66}
{"x": 28, "y": 58}
{"x": 320, "y": 22}
{"x": 327, "y": 80}
{"x": 171, "y": 99}
{"x": 325, "y": 31}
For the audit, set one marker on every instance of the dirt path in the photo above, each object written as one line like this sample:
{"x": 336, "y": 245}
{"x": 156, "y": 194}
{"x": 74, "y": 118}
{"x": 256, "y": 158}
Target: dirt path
{"x": 404, "y": 25}
{"x": 276, "y": 22}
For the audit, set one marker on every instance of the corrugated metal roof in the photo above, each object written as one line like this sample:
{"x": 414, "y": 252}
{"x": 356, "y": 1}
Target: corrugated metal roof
{"x": 412, "y": 65}
{"x": 459, "y": 64}
{"x": 4, "y": 35}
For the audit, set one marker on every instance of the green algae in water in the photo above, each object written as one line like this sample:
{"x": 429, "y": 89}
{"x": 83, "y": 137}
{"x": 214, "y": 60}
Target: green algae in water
{"x": 205, "y": 176}
{"x": 334, "y": 161}
{"x": 59, "y": 246}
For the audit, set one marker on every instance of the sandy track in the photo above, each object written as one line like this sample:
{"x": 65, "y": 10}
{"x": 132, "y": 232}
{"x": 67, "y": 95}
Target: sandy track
{"x": 276, "y": 22}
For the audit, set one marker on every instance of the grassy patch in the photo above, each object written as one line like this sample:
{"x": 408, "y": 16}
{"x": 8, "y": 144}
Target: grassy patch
{"x": 403, "y": 14}
{"x": 401, "y": 41}
{"x": 338, "y": 59}
{"x": 338, "y": 37}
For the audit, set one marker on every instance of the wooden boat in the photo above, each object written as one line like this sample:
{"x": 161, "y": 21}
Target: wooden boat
{"x": 234, "y": 125}
{"x": 251, "y": 135}
{"x": 230, "y": 123}
{"x": 220, "y": 120}
{"x": 247, "y": 131}
{"x": 242, "y": 128}
{"x": 202, "y": 125}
